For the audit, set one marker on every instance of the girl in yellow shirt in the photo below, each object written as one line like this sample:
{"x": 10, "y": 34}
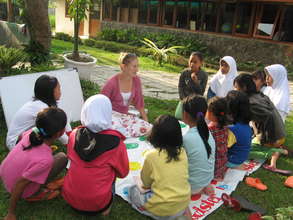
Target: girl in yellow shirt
{"x": 164, "y": 173}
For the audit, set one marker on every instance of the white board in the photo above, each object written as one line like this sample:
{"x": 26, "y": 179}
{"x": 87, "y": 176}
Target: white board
{"x": 16, "y": 90}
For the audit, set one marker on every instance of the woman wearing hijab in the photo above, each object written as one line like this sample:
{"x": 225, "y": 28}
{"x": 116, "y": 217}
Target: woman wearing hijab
{"x": 222, "y": 82}
{"x": 278, "y": 88}
{"x": 97, "y": 156}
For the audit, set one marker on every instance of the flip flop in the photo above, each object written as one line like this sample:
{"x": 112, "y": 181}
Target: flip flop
{"x": 56, "y": 184}
{"x": 249, "y": 206}
{"x": 276, "y": 170}
{"x": 254, "y": 216}
{"x": 289, "y": 182}
{"x": 256, "y": 183}
{"x": 231, "y": 202}
{"x": 240, "y": 203}
{"x": 45, "y": 194}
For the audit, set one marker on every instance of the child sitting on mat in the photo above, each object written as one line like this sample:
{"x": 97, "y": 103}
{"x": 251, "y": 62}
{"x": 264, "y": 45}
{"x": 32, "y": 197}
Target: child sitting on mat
{"x": 199, "y": 145}
{"x": 97, "y": 156}
{"x": 164, "y": 173}
{"x": 239, "y": 108}
{"x": 217, "y": 115}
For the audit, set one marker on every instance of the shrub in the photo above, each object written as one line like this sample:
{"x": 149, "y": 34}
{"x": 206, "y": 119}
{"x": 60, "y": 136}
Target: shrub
{"x": 133, "y": 37}
{"x": 115, "y": 47}
{"x": 10, "y": 57}
{"x": 36, "y": 53}
{"x": 89, "y": 42}
{"x": 160, "y": 55}
{"x": 63, "y": 36}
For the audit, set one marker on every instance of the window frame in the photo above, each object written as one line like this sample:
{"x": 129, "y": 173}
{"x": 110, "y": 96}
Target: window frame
{"x": 158, "y": 14}
{"x": 259, "y": 14}
{"x": 251, "y": 22}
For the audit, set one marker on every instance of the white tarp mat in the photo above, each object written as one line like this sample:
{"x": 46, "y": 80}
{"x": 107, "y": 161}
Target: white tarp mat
{"x": 200, "y": 207}
{"x": 16, "y": 90}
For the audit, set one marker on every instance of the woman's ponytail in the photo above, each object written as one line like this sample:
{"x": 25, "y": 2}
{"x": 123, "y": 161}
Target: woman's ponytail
{"x": 203, "y": 132}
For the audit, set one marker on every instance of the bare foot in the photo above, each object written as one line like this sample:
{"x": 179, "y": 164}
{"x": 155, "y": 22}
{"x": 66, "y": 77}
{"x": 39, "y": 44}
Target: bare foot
{"x": 240, "y": 167}
{"x": 209, "y": 190}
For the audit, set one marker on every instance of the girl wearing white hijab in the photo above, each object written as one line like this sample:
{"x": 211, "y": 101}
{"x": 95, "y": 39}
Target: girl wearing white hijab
{"x": 278, "y": 88}
{"x": 222, "y": 81}
{"x": 98, "y": 155}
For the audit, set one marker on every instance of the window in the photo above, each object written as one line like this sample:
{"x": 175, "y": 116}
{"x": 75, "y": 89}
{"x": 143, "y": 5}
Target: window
{"x": 153, "y": 10}
{"x": 133, "y": 11}
{"x": 169, "y": 9}
{"x": 244, "y": 18}
{"x": 194, "y": 19}
{"x": 226, "y": 17}
{"x": 286, "y": 33}
{"x": 142, "y": 11}
{"x": 209, "y": 12}
{"x": 115, "y": 10}
{"x": 95, "y": 10}
{"x": 107, "y": 10}
{"x": 182, "y": 11}
{"x": 267, "y": 21}
{"x": 124, "y": 11}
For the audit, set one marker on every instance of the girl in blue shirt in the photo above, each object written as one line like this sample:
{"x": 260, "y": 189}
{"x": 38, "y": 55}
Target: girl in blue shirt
{"x": 199, "y": 145}
{"x": 239, "y": 108}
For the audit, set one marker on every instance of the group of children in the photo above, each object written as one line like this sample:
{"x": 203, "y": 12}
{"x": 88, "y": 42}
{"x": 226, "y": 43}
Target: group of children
{"x": 219, "y": 137}
{"x": 257, "y": 120}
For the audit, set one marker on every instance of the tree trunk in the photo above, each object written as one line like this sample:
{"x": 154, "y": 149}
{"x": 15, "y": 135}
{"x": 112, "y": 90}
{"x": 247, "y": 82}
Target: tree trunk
{"x": 75, "y": 54}
{"x": 9, "y": 11}
{"x": 36, "y": 13}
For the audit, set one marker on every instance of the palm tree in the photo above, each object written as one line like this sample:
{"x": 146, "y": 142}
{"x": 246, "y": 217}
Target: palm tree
{"x": 9, "y": 11}
{"x": 37, "y": 19}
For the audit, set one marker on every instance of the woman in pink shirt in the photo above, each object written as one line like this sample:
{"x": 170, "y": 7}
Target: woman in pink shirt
{"x": 97, "y": 156}
{"x": 124, "y": 88}
{"x": 31, "y": 163}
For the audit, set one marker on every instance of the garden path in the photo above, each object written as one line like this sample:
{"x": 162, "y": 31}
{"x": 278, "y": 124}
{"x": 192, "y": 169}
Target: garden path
{"x": 156, "y": 84}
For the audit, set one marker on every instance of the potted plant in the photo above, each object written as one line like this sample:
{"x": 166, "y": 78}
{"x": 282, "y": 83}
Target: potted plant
{"x": 83, "y": 62}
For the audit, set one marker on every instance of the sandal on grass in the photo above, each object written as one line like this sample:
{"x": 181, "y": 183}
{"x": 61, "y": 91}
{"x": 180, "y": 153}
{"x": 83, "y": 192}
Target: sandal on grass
{"x": 276, "y": 170}
{"x": 45, "y": 194}
{"x": 239, "y": 203}
{"x": 249, "y": 206}
{"x": 254, "y": 216}
{"x": 289, "y": 182}
{"x": 256, "y": 183}
{"x": 231, "y": 202}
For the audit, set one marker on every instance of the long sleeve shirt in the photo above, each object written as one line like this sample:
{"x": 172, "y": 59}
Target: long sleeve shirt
{"x": 187, "y": 86}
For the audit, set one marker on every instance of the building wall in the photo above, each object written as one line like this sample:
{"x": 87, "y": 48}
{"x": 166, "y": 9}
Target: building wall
{"x": 63, "y": 24}
{"x": 243, "y": 49}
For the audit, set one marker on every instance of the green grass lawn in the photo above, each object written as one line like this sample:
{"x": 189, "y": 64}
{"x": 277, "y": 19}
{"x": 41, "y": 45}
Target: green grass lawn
{"x": 109, "y": 58}
{"x": 276, "y": 196}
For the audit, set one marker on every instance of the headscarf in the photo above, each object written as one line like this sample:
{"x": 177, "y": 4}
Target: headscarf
{"x": 96, "y": 116}
{"x": 96, "y": 113}
{"x": 279, "y": 92}
{"x": 221, "y": 84}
